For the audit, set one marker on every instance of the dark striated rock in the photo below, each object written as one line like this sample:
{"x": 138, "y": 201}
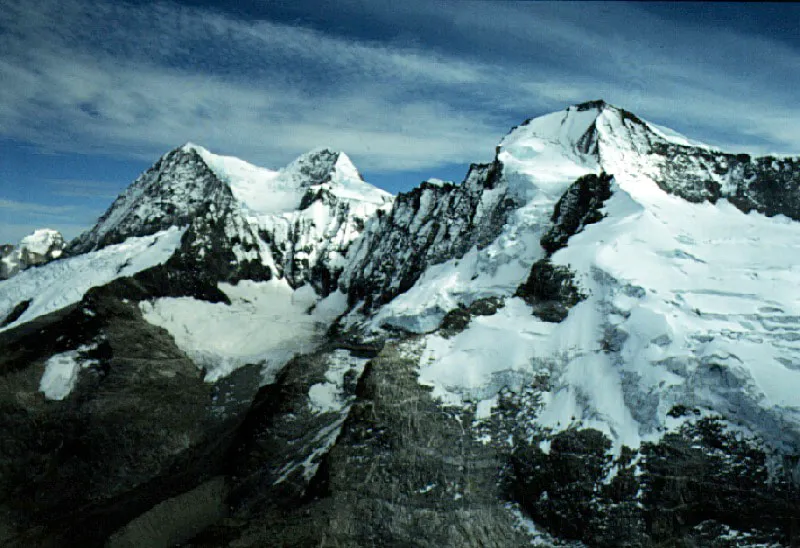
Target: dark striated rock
{"x": 579, "y": 206}
{"x": 558, "y": 489}
{"x": 768, "y": 185}
{"x": 401, "y": 473}
{"x": 140, "y": 425}
{"x": 705, "y": 474}
{"x": 551, "y": 290}
{"x": 426, "y": 226}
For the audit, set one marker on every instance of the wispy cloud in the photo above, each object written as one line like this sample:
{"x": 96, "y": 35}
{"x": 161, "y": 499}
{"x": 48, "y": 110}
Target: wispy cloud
{"x": 80, "y": 188}
{"x": 31, "y": 208}
{"x": 135, "y": 80}
{"x": 20, "y": 218}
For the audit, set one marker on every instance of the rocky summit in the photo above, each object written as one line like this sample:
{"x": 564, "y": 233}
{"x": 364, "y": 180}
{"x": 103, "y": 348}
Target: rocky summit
{"x": 593, "y": 340}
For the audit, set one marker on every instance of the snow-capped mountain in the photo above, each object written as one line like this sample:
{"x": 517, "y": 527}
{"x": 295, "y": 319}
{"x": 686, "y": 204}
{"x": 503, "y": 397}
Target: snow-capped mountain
{"x": 35, "y": 249}
{"x": 591, "y": 340}
{"x": 246, "y": 221}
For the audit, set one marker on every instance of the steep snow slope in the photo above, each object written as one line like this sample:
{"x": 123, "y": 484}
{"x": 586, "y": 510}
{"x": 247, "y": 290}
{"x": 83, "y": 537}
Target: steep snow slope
{"x": 681, "y": 309}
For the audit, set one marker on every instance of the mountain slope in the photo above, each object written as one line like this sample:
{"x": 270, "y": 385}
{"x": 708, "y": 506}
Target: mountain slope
{"x": 592, "y": 340}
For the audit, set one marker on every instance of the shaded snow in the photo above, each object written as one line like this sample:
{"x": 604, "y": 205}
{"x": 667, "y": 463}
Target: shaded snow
{"x": 61, "y": 283}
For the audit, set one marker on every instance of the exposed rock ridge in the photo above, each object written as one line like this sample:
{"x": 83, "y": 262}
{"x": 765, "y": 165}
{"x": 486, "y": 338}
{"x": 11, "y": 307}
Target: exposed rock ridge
{"x": 426, "y": 226}
{"x": 767, "y": 184}
{"x": 551, "y": 289}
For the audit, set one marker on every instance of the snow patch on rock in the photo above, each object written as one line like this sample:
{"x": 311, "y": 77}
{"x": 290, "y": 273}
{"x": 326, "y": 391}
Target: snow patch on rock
{"x": 61, "y": 372}
{"x": 329, "y": 396}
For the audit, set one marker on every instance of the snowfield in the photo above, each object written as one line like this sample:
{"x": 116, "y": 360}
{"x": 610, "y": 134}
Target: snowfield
{"x": 266, "y": 323}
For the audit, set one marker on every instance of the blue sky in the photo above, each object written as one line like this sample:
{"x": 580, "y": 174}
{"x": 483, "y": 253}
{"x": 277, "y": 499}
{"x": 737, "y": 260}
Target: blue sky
{"x": 93, "y": 92}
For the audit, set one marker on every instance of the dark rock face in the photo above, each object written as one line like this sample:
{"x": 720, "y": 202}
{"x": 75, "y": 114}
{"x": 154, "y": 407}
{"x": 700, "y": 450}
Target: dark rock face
{"x": 705, "y": 475}
{"x": 551, "y": 291}
{"x": 692, "y": 488}
{"x": 767, "y": 184}
{"x": 392, "y": 478}
{"x": 171, "y": 193}
{"x": 139, "y": 426}
{"x": 579, "y": 206}
{"x": 426, "y": 226}
{"x": 564, "y": 490}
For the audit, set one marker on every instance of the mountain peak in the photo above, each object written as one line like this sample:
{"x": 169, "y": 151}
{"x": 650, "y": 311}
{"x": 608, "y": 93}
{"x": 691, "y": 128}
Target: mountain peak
{"x": 189, "y": 147}
{"x": 597, "y": 104}
{"x": 321, "y": 165}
